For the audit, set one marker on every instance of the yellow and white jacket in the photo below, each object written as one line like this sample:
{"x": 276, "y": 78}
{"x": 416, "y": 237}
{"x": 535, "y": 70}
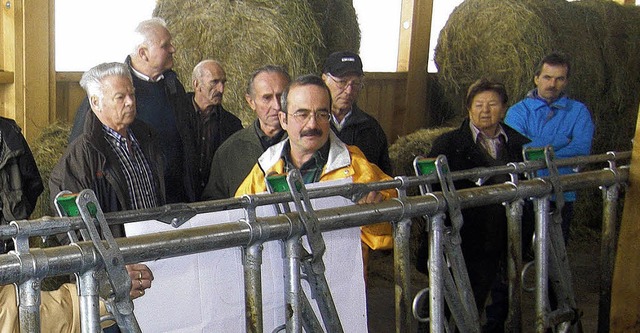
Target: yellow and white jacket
{"x": 344, "y": 161}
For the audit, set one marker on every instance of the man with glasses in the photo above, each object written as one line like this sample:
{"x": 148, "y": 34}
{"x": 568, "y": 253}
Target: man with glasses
{"x": 318, "y": 153}
{"x": 342, "y": 73}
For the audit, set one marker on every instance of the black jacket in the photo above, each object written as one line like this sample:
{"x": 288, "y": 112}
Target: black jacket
{"x": 364, "y": 131}
{"x": 227, "y": 124}
{"x": 20, "y": 181}
{"x": 185, "y": 121}
{"x": 484, "y": 233}
{"x": 90, "y": 163}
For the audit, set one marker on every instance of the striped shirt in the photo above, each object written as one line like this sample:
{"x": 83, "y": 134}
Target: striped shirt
{"x": 141, "y": 185}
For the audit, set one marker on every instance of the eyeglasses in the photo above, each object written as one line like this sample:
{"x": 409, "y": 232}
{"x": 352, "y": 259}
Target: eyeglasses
{"x": 304, "y": 116}
{"x": 343, "y": 84}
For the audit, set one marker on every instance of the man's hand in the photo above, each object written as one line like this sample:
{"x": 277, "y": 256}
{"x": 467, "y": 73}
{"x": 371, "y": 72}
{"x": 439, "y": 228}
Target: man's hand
{"x": 141, "y": 277}
{"x": 371, "y": 197}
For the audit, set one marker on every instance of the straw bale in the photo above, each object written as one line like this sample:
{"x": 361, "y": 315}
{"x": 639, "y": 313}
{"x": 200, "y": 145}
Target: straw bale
{"x": 506, "y": 38}
{"x": 244, "y": 35}
{"x": 47, "y": 149}
{"x": 406, "y": 148}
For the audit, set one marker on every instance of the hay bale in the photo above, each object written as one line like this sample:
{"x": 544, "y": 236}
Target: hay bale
{"x": 244, "y": 35}
{"x": 334, "y": 18}
{"x": 506, "y": 38}
{"x": 47, "y": 149}
{"x": 406, "y": 148}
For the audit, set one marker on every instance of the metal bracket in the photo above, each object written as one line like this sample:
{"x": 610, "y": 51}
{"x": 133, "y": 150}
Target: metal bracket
{"x": 114, "y": 288}
{"x": 546, "y": 153}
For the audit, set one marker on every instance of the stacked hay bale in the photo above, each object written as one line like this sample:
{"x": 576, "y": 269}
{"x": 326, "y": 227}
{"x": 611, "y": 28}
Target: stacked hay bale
{"x": 408, "y": 147}
{"x": 47, "y": 151}
{"x": 246, "y": 34}
{"x": 505, "y": 39}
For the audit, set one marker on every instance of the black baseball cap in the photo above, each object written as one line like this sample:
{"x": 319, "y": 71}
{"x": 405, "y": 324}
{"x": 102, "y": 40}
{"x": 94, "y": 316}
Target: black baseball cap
{"x": 342, "y": 63}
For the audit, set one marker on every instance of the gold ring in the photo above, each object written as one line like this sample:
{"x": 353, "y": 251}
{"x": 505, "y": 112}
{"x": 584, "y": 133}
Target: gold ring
{"x": 140, "y": 282}
{"x": 141, "y": 292}
{"x": 139, "y": 275}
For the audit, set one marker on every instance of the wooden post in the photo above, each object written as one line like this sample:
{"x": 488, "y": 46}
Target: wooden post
{"x": 27, "y": 35}
{"x": 413, "y": 56}
{"x": 625, "y": 289}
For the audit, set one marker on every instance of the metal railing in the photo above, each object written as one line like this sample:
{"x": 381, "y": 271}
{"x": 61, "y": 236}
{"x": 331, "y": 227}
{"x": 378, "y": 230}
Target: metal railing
{"x": 33, "y": 264}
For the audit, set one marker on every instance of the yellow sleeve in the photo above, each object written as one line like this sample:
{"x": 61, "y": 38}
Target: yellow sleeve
{"x": 254, "y": 183}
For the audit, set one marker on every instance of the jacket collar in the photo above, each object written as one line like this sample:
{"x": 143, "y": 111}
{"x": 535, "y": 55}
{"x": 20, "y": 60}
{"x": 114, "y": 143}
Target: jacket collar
{"x": 339, "y": 156}
{"x": 560, "y": 103}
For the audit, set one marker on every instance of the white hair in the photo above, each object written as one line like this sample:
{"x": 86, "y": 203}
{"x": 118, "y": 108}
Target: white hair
{"x": 198, "y": 70}
{"x": 143, "y": 32}
{"x": 91, "y": 80}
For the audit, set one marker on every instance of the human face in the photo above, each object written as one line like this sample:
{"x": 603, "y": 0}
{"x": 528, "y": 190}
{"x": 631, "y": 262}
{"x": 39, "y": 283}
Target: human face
{"x": 265, "y": 100}
{"x": 308, "y": 135}
{"x": 159, "y": 52}
{"x": 210, "y": 87}
{"x": 487, "y": 110}
{"x": 552, "y": 81}
{"x": 344, "y": 90}
{"x": 117, "y": 108}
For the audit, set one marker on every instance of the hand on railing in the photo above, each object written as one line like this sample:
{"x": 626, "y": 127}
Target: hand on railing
{"x": 141, "y": 277}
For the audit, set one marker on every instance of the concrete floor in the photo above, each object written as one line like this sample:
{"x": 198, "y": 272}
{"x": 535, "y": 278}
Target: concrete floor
{"x": 583, "y": 256}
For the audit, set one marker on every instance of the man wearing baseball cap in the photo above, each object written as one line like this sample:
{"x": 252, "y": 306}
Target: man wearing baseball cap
{"x": 342, "y": 73}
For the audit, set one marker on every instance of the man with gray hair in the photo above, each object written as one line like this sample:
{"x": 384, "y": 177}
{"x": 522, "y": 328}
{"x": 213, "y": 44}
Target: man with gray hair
{"x": 229, "y": 167}
{"x": 117, "y": 156}
{"x": 214, "y": 124}
{"x": 162, "y": 104}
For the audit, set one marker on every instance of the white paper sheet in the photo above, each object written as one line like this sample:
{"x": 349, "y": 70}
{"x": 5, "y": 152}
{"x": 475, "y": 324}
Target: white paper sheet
{"x": 205, "y": 292}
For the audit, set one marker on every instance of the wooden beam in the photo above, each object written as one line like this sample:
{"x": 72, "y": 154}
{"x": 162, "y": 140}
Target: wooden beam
{"x": 38, "y": 67}
{"x": 417, "y": 113}
{"x": 404, "y": 41}
{"x": 625, "y": 288}
{"x": 27, "y": 61}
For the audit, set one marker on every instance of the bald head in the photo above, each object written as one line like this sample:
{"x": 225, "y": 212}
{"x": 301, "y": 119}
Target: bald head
{"x": 209, "y": 79}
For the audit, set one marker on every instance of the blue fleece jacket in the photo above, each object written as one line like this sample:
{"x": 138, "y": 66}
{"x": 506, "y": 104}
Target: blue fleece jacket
{"x": 564, "y": 124}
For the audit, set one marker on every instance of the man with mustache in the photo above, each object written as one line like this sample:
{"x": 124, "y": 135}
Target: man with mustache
{"x": 318, "y": 153}
{"x": 549, "y": 118}
{"x": 214, "y": 124}
{"x": 163, "y": 104}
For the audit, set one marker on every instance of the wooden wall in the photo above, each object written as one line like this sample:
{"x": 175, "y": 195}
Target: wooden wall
{"x": 383, "y": 97}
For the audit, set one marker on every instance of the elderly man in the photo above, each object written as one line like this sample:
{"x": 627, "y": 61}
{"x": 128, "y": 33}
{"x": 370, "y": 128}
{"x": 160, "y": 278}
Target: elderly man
{"x": 318, "y": 153}
{"x": 117, "y": 155}
{"x": 342, "y": 73}
{"x": 214, "y": 124}
{"x": 548, "y": 117}
{"x": 235, "y": 158}
{"x": 162, "y": 104}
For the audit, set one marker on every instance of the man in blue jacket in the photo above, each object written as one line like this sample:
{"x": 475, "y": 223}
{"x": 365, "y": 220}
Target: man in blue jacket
{"x": 549, "y": 118}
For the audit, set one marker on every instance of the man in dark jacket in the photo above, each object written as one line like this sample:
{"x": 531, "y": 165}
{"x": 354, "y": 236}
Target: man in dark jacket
{"x": 214, "y": 124}
{"x": 234, "y": 159}
{"x": 163, "y": 104}
{"x": 20, "y": 182}
{"x": 117, "y": 156}
{"x": 342, "y": 73}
